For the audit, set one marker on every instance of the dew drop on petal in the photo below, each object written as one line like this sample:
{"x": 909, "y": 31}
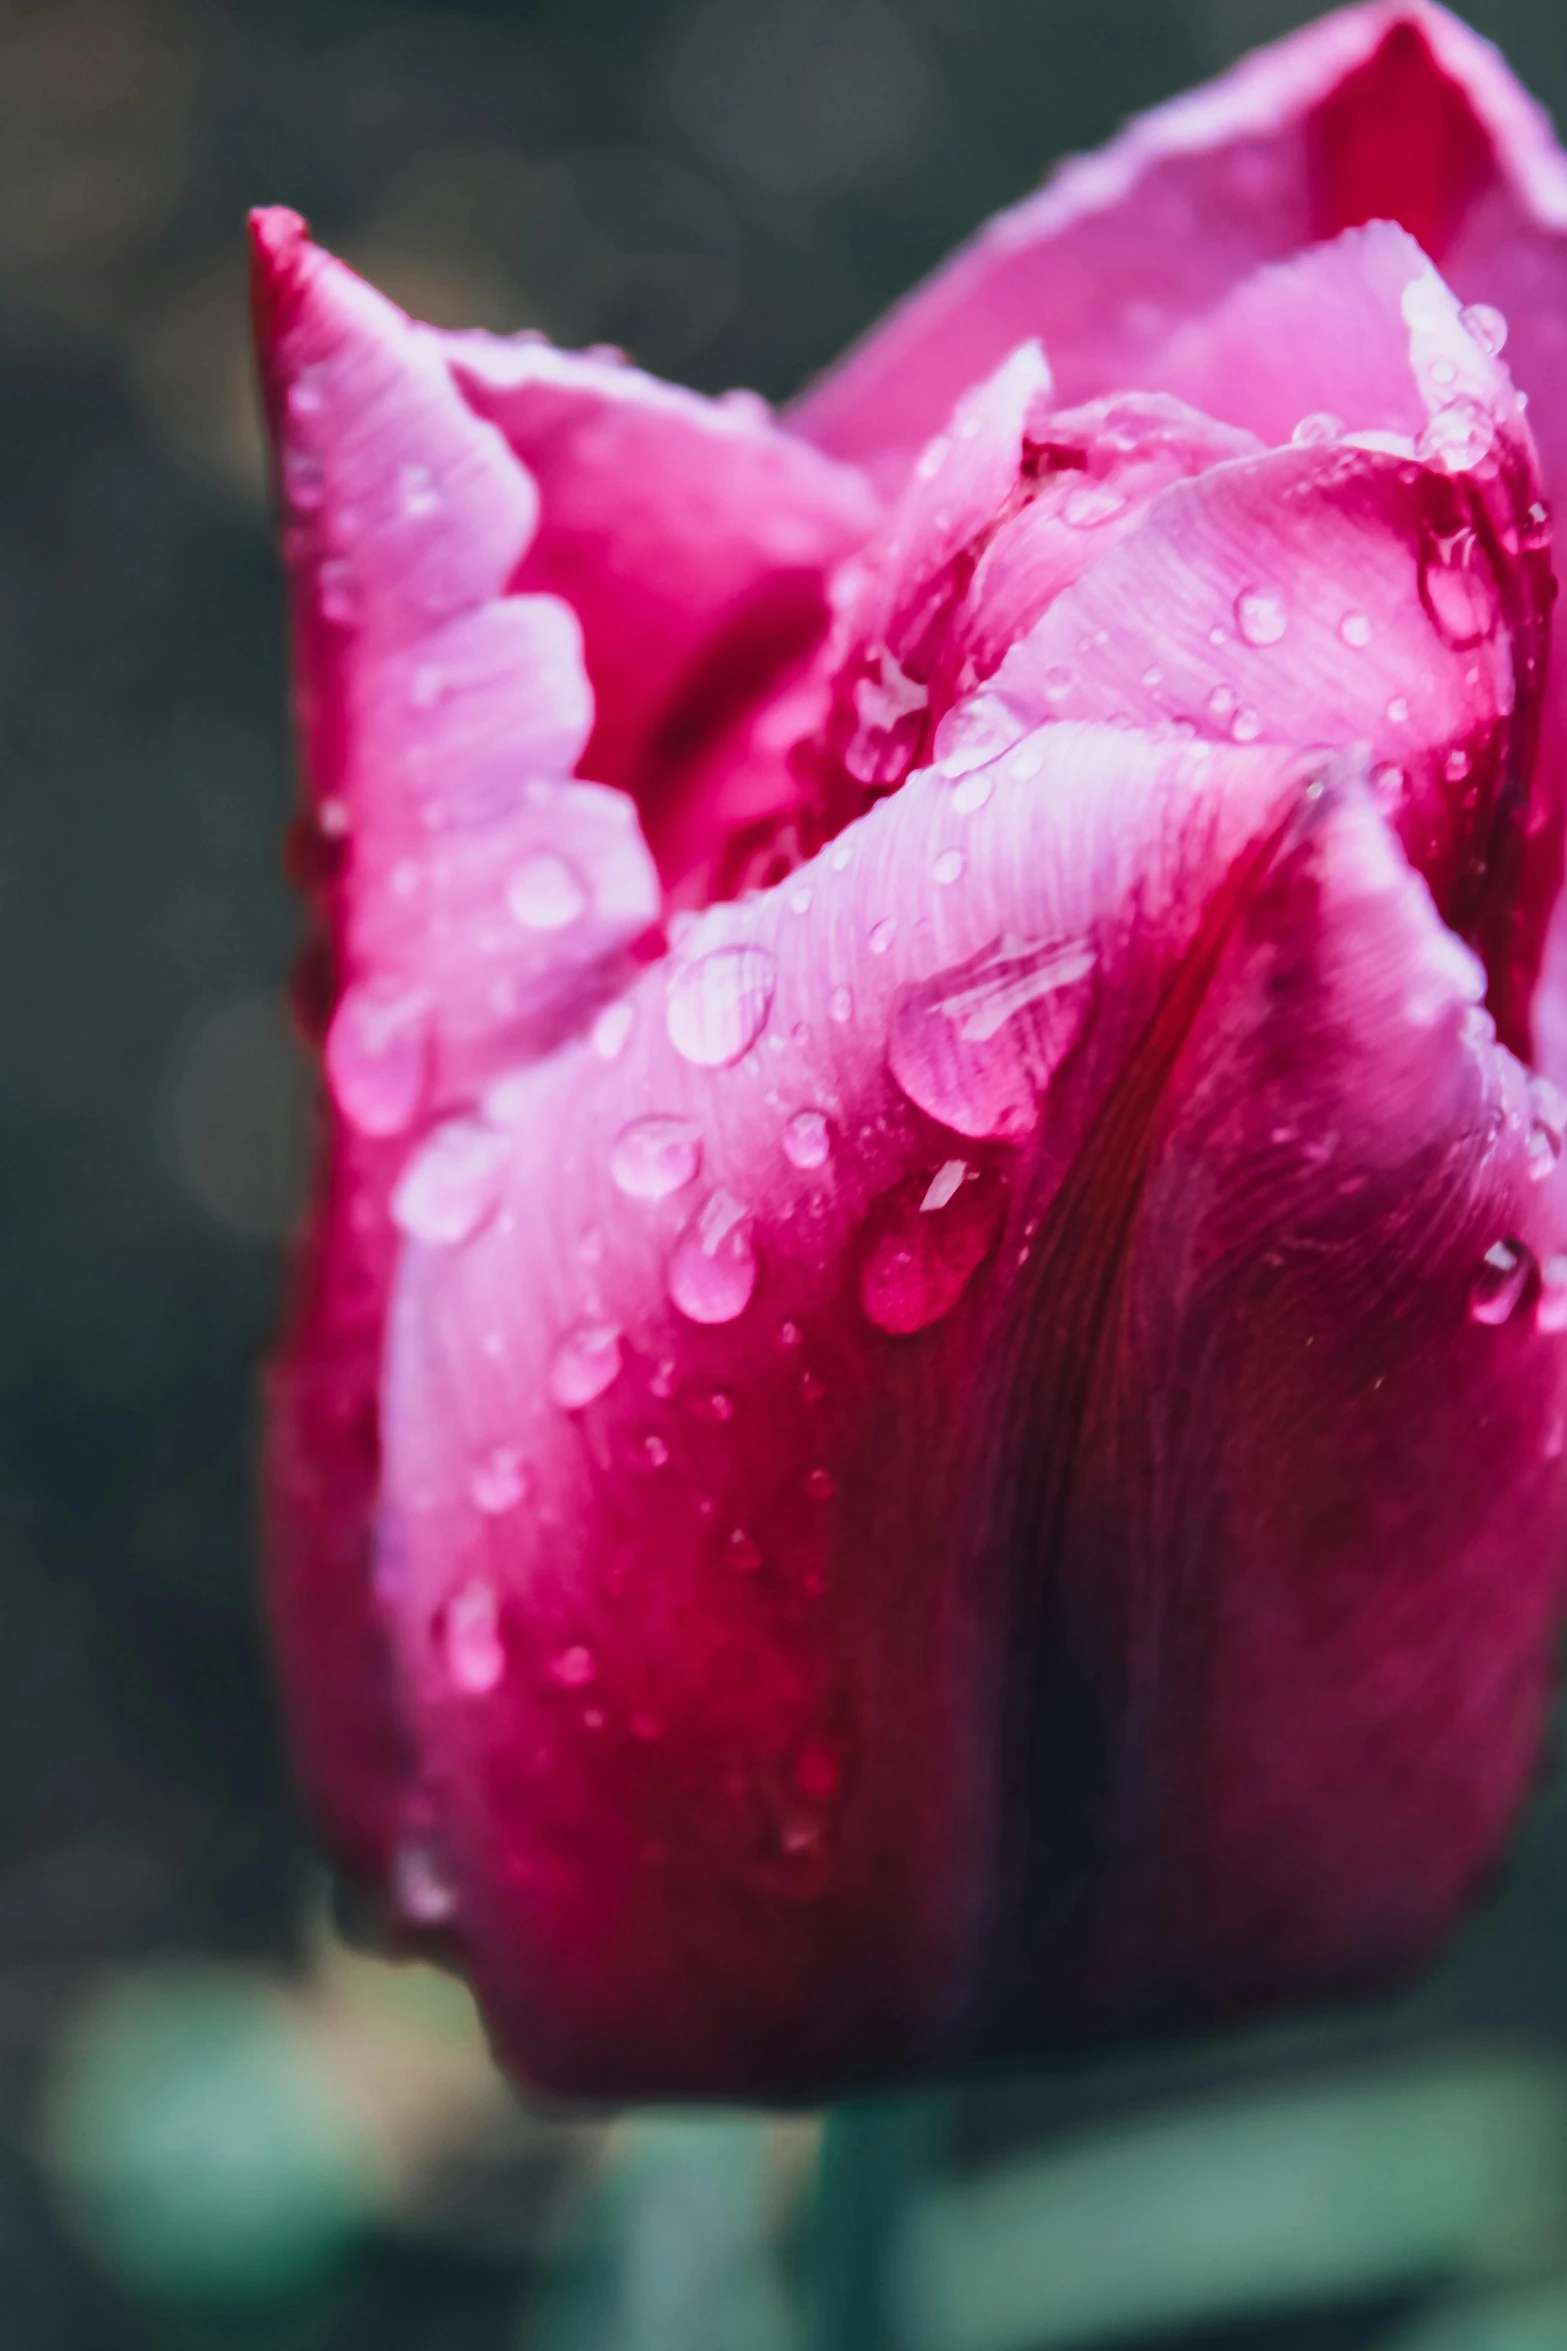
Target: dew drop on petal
{"x": 712, "y": 1266}
{"x": 719, "y": 1004}
{"x": 378, "y": 1055}
{"x": 1486, "y": 326}
{"x": 971, "y": 791}
{"x": 1456, "y": 765}
{"x": 1245, "y": 726}
{"x": 840, "y": 1005}
{"x": 741, "y": 1554}
{"x": 584, "y": 1364}
{"x": 499, "y": 1481}
{"x": 1548, "y": 1108}
{"x": 1501, "y": 1282}
{"x": 546, "y": 893}
{"x": 820, "y": 1485}
{"x": 1458, "y": 592}
{"x": 1317, "y": 430}
{"x": 1261, "y": 615}
{"x": 976, "y": 1047}
{"x": 655, "y": 1156}
{"x": 1550, "y": 1314}
{"x": 418, "y": 492}
{"x": 807, "y": 1140}
{"x": 882, "y": 934}
{"x": 1398, "y": 710}
{"x": 948, "y": 867}
{"x": 923, "y": 1243}
{"x": 338, "y": 587}
{"x": 1355, "y": 629}
{"x": 1458, "y": 438}
{"x": 574, "y": 1667}
{"x": 612, "y": 1029}
{"x": 1222, "y": 704}
{"x": 453, "y": 1184}
{"x": 475, "y": 1655}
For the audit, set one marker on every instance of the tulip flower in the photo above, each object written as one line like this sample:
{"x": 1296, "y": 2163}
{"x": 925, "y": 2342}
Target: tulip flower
{"x": 925, "y": 1404}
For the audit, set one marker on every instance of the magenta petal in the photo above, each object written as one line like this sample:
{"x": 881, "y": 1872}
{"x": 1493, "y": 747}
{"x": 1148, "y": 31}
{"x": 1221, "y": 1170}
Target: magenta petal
{"x": 476, "y": 904}
{"x": 791, "y": 1298}
{"x": 694, "y": 540}
{"x": 1394, "y": 110}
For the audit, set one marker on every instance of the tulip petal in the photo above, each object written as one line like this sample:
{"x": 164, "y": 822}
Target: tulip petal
{"x": 476, "y": 904}
{"x": 1395, "y": 110}
{"x": 718, "y": 1793}
{"x": 694, "y": 541}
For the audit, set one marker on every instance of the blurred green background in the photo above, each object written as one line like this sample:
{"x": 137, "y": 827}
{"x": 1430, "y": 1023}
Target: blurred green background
{"x": 217, "y": 2125}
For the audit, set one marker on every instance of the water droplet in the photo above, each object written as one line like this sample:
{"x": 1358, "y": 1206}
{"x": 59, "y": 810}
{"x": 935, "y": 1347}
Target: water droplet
{"x": 971, "y": 791}
{"x": 1222, "y": 704}
{"x": 1085, "y": 508}
{"x": 789, "y": 1334}
{"x": 977, "y": 1046}
{"x": 586, "y": 1362}
{"x": 712, "y": 1267}
{"x": 421, "y": 1889}
{"x": 307, "y": 393}
{"x": 1458, "y": 438}
{"x": 573, "y": 1668}
{"x": 882, "y": 934}
{"x": 719, "y": 1004}
{"x": 917, "y": 1259}
{"x": 499, "y": 1482}
{"x": 1502, "y": 1282}
{"x": 1398, "y": 710}
{"x": 1458, "y": 591}
{"x": 1317, "y": 430}
{"x": 1355, "y": 629}
{"x": 304, "y": 484}
{"x": 650, "y": 1451}
{"x": 655, "y": 1156}
{"x": 800, "y": 899}
{"x": 612, "y": 1029}
{"x": 475, "y": 1654}
{"x": 1549, "y": 1110}
{"x": 453, "y": 1184}
{"x": 417, "y": 491}
{"x": 378, "y": 1055}
{"x": 1261, "y": 615}
{"x": 1057, "y": 681}
{"x": 716, "y": 1406}
{"x": 840, "y": 1005}
{"x": 546, "y": 893}
{"x": 1551, "y": 1312}
{"x": 1245, "y": 726}
{"x": 741, "y": 1554}
{"x": 820, "y": 1485}
{"x": 807, "y": 1140}
{"x": 1456, "y": 766}
{"x": 338, "y": 586}
{"x": 1486, "y": 325}
{"x": 948, "y": 867}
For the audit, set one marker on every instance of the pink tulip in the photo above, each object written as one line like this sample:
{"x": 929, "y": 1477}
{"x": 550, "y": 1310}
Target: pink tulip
{"x": 925, "y": 1405}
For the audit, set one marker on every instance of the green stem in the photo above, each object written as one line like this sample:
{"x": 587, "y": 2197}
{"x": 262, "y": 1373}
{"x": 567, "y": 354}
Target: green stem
{"x": 877, "y": 2155}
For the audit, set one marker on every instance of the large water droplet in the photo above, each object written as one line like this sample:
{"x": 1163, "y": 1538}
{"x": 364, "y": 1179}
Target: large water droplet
{"x": 807, "y": 1140}
{"x": 655, "y": 1156}
{"x": 546, "y": 893}
{"x": 499, "y": 1481}
{"x": 712, "y": 1267}
{"x": 1458, "y": 438}
{"x": 574, "y": 1667}
{"x": 719, "y": 1004}
{"x": 452, "y": 1185}
{"x": 1502, "y": 1282}
{"x": 1458, "y": 591}
{"x": 971, "y": 791}
{"x": 475, "y": 1655}
{"x": 1355, "y": 629}
{"x": 1486, "y": 325}
{"x": 586, "y": 1362}
{"x": 1261, "y": 615}
{"x": 1317, "y": 430}
{"x": 977, "y": 1046}
{"x": 923, "y": 1243}
{"x": 378, "y": 1055}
